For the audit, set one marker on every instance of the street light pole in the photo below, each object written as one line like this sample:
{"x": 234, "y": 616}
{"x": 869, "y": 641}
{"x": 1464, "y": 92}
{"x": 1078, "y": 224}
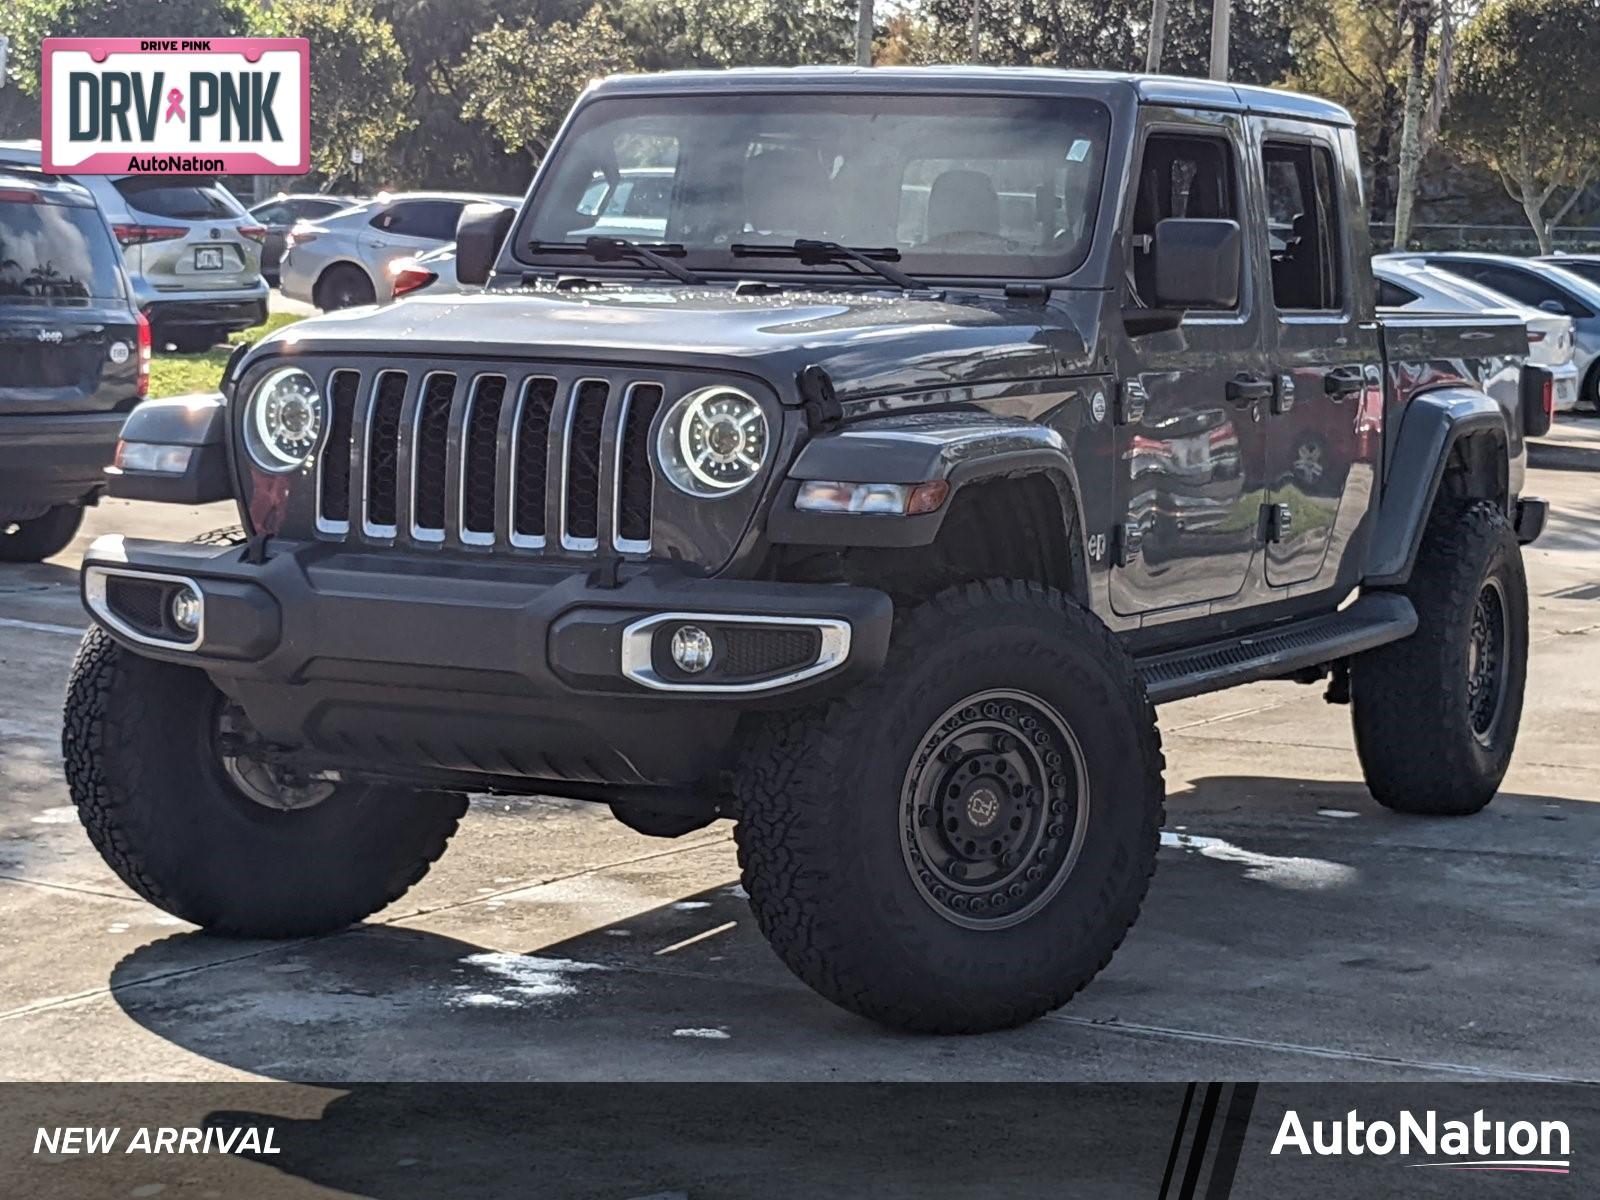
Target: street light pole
{"x": 972, "y": 29}
{"x": 864, "y": 34}
{"x": 1221, "y": 10}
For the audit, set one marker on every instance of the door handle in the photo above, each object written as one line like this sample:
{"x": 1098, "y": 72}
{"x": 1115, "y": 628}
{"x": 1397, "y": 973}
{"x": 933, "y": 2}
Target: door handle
{"x": 1245, "y": 390}
{"x": 1343, "y": 381}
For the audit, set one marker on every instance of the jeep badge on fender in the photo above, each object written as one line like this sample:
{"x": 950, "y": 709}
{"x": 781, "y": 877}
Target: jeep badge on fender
{"x": 869, "y": 494}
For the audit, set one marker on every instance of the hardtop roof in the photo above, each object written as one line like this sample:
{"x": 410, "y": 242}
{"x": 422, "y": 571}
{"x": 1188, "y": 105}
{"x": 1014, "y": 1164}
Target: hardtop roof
{"x": 1149, "y": 89}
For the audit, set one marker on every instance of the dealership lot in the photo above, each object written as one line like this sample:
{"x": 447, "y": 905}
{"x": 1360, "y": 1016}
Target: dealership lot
{"x": 1294, "y": 930}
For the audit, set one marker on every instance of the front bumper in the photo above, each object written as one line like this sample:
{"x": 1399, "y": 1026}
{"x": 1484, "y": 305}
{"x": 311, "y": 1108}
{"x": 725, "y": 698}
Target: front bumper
{"x": 493, "y": 669}
{"x": 55, "y": 458}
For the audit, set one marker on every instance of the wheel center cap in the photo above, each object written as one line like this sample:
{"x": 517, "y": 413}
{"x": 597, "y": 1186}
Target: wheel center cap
{"x": 983, "y": 806}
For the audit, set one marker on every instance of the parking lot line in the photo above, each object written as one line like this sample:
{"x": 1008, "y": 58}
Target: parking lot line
{"x": 41, "y": 627}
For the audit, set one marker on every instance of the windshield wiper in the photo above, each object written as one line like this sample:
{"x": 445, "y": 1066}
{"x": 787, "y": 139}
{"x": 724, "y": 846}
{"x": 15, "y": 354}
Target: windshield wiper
{"x": 814, "y": 253}
{"x": 615, "y": 249}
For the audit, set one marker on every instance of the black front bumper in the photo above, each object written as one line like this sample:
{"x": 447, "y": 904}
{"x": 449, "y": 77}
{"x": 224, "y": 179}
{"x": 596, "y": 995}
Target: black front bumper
{"x": 55, "y": 458}
{"x": 425, "y": 664}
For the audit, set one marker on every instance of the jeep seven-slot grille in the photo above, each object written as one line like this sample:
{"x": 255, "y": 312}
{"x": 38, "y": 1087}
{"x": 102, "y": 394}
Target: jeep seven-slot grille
{"x": 555, "y": 460}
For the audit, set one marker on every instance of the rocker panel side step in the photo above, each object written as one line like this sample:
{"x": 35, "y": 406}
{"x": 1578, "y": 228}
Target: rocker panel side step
{"x": 1373, "y": 620}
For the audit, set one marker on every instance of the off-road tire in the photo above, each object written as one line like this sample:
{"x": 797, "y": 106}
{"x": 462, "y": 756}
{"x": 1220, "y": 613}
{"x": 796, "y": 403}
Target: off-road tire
{"x": 151, "y": 791}
{"x": 820, "y": 834}
{"x": 1411, "y": 700}
{"x": 40, "y": 537}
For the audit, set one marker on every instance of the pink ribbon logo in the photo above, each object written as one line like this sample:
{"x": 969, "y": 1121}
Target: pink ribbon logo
{"x": 174, "y": 105}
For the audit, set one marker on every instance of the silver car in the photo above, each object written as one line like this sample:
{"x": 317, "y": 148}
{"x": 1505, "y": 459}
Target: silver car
{"x": 344, "y": 260}
{"x": 1544, "y": 286}
{"x": 192, "y": 252}
{"x": 1405, "y": 281}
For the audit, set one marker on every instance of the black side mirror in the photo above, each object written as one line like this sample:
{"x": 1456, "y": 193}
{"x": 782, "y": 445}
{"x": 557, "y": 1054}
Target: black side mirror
{"x": 1197, "y": 263}
{"x": 1553, "y": 306}
{"x": 480, "y": 230}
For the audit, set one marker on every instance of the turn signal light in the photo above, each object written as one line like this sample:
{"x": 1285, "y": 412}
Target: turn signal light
{"x": 885, "y": 499}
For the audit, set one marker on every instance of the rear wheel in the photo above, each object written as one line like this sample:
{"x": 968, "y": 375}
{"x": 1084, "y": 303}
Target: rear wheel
{"x": 344, "y": 286}
{"x": 171, "y": 783}
{"x": 960, "y": 844}
{"x": 40, "y": 537}
{"x": 1436, "y": 714}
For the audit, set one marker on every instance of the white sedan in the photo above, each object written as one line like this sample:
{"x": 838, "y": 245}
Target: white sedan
{"x": 345, "y": 259}
{"x": 1407, "y": 282}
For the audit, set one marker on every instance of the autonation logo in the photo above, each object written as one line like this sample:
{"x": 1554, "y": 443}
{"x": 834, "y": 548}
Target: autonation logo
{"x": 1478, "y": 1144}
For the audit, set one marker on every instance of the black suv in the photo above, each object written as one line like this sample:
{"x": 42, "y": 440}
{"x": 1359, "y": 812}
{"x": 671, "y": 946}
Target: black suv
{"x": 74, "y": 359}
{"x": 944, "y": 422}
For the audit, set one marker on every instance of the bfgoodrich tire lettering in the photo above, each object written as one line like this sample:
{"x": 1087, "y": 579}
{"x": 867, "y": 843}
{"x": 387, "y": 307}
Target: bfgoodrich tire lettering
{"x": 1436, "y": 714}
{"x": 143, "y": 772}
{"x": 819, "y": 831}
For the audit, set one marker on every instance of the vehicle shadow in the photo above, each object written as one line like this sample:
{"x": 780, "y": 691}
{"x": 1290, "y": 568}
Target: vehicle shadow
{"x": 1254, "y": 873}
{"x": 665, "y": 1142}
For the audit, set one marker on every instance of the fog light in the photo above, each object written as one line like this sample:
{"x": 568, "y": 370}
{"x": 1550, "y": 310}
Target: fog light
{"x": 692, "y": 649}
{"x": 185, "y": 608}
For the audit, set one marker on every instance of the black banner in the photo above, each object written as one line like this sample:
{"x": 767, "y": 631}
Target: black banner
{"x": 773, "y": 1142}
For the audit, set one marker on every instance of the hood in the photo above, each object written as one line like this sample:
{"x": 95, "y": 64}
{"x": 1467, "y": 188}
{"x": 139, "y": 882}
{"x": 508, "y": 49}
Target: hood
{"x": 869, "y": 342}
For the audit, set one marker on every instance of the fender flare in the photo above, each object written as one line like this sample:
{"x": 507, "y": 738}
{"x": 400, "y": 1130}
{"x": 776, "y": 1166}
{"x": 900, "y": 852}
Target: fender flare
{"x": 1431, "y": 426}
{"x": 960, "y": 448}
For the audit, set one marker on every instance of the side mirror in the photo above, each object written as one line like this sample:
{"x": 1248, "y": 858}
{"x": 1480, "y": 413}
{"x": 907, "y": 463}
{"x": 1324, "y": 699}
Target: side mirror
{"x": 1553, "y": 306}
{"x": 1197, "y": 263}
{"x": 479, "y": 233}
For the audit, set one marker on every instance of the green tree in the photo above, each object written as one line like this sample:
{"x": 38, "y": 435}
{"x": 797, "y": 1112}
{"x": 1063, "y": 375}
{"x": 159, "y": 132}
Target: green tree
{"x": 1524, "y": 106}
{"x": 731, "y": 33}
{"x": 522, "y": 80}
{"x": 1112, "y": 34}
{"x": 29, "y": 22}
{"x": 358, "y": 87}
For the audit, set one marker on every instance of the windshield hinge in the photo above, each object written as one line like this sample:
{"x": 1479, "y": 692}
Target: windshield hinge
{"x": 1037, "y": 292}
{"x": 822, "y": 408}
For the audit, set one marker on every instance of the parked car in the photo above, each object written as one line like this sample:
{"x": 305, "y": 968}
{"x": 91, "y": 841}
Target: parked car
{"x": 1585, "y": 265}
{"x": 1405, "y": 281}
{"x": 842, "y": 540}
{"x": 192, "y": 252}
{"x": 343, "y": 260}
{"x": 631, "y": 202}
{"x": 74, "y": 359}
{"x": 279, "y": 215}
{"x": 1544, "y": 286}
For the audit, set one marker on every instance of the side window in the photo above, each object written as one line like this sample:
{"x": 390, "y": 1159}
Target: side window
{"x": 392, "y": 219}
{"x": 1303, "y": 227}
{"x": 1528, "y": 288}
{"x": 1392, "y": 295}
{"x": 274, "y": 214}
{"x": 1180, "y": 176}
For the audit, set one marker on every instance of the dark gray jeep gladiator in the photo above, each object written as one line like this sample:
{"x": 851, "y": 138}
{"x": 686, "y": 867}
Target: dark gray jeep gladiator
{"x": 868, "y": 490}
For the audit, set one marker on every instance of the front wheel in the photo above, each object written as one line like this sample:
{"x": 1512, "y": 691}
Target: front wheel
{"x": 1436, "y": 714}
{"x": 41, "y": 537}
{"x": 160, "y": 766}
{"x": 960, "y": 844}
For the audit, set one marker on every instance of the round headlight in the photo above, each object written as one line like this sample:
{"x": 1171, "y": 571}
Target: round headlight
{"x": 283, "y": 420}
{"x": 713, "y": 441}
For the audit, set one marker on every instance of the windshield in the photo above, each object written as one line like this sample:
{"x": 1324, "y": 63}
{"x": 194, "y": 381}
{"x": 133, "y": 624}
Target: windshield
{"x": 958, "y": 185}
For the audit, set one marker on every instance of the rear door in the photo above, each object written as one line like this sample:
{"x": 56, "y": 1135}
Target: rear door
{"x": 1190, "y": 435}
{"x": 68, "y": 334}
{"x": 194, "y": 243}
{"x": 1327, "y": 399}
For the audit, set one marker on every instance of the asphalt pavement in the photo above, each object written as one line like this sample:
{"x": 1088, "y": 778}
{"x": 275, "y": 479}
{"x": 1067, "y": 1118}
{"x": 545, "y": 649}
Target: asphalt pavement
{"x": 1294, "y": 930}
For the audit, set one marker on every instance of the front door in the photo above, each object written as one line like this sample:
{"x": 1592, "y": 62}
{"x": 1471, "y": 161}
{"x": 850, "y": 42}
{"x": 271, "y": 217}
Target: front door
{"x": 1323, "y": 432}
{"x": 1191, "y": 433}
